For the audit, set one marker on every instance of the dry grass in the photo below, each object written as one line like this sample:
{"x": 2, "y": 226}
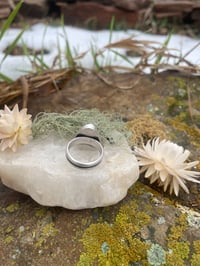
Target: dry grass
{"x": 36, "y": 83}
{"x": 145, "y": 127}
{"x": 147, "y": 51}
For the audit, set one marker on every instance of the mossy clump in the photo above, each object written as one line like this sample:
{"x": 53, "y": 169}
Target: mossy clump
{"x": 67, "y": 125}
{"x": 145, "y": 127}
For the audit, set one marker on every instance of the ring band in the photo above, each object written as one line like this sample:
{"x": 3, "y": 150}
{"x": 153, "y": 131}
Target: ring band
{"x": 85, "y": 150}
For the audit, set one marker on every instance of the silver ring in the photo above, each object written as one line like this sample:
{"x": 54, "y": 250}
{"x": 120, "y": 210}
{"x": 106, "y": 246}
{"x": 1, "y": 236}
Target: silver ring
{"x": 90, "y": 131}
{"x": 85, "y": 150}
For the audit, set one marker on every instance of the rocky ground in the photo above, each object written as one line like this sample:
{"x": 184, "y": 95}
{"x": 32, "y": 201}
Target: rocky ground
{"x": 97, "y": 14}
{"x": 148, "y": 227}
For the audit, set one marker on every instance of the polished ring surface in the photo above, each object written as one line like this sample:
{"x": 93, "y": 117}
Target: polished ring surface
{"x": 88, "y": 130}
{"x": 84, "y": 151}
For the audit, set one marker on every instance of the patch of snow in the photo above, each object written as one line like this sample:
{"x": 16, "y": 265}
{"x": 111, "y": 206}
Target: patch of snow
{"x": 54, "y": 40}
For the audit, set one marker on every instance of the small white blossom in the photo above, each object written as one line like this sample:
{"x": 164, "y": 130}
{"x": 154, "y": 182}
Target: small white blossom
{"x": 15, "y": 128}
{"x": 164, "y": 161}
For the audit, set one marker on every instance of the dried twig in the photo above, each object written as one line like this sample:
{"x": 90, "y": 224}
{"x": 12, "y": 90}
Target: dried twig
{"x": 25, "y": 91}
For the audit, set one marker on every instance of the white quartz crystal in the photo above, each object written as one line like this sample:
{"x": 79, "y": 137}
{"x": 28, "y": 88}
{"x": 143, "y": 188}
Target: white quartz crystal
{"x": 41, "y": 170}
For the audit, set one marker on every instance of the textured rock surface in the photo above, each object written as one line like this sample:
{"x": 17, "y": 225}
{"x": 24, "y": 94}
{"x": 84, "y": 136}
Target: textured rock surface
{"x": 85, "y": 13}
{"x": 41, "y": 170}
{"x": 145, "y": 221}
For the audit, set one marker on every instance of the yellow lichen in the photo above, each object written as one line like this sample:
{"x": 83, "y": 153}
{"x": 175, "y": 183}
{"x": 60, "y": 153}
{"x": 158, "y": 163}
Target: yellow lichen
{"x": 12, "y": 207}
{"x": 41, "y": 212}
{"x": 182, "y": 220}
{"x": 175, "y": 233}
{"x": 196, "y": 245}
{"x": 47, "y": 231}
{"x": 9, "y": 229}
{"x": 124, "y": 239}
{"x": 192, "y": 132}
{"x": 196, "y": 256}
{"x": 174, "y": 260}
{"x": 181, "y": 249}
{"x": 177, "y": 230}
{"x": 195, "y": 260}
{"x": 8, "y": 239}
{"x": 117, "y": 243}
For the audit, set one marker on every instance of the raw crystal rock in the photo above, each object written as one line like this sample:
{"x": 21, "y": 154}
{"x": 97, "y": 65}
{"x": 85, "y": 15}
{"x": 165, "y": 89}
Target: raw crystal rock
{"x": 41, "y": 170}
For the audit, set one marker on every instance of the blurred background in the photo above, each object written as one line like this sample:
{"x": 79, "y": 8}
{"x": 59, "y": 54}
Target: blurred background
{"x": 153, "y": 16}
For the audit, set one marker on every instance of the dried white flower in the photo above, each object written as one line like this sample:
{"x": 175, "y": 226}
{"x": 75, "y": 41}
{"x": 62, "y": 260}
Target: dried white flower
{"x": 164, "y": 161}
{"x": 15, "y": 127}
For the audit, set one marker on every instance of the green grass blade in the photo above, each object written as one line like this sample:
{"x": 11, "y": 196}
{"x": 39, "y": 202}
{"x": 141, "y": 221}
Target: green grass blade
{"x": 5, "y": 78}
{"x": 10, "y": 19}
{"x": 165, "y": 44}
{"x": 25, "y": 50}
{"x": 69, "y": 56}
{"x": 112, "y": 24}
{"x": 43, "y": 65}
{"x": 68, "y": 50}
{"x": 124, "y": 57}
{"x": 96, "y": 63}
{"x": 33, "y": 58}
{"x": 43, "y": 39}
{"x": 59, "y": 54}
{"x": 12, "y": 46}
